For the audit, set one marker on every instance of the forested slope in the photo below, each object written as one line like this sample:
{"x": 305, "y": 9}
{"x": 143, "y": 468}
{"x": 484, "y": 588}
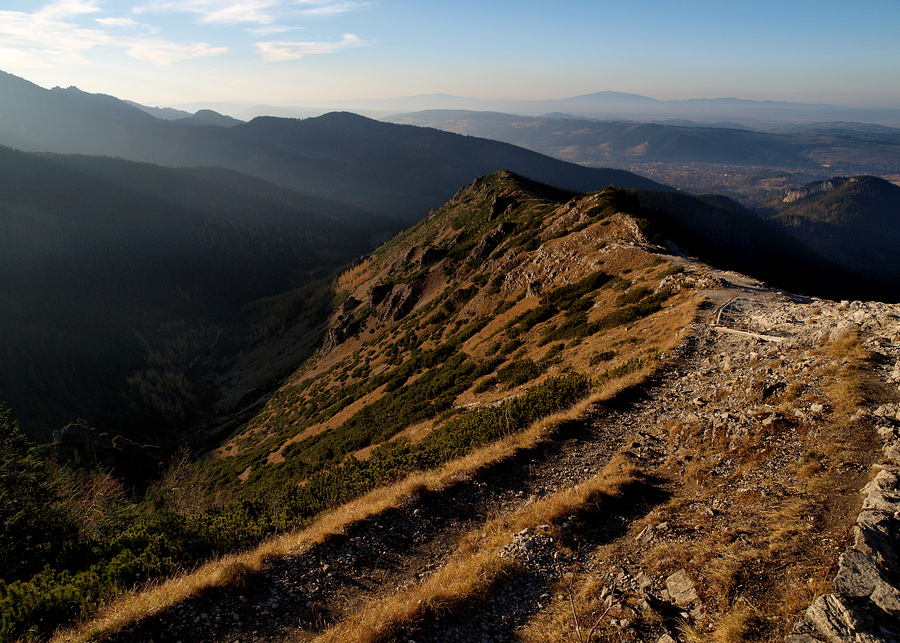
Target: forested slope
{"x": 105, "y": 263}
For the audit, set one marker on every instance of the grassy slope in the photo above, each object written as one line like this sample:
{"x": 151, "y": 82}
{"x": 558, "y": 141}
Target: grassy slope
{"x": 478, "y": 313}
{"x": 447, "y": 338}
{"x": 533, "y": 324}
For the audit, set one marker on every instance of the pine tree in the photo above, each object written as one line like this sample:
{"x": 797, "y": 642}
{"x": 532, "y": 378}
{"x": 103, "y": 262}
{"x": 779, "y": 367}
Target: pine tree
{"x": 25, "y": 498}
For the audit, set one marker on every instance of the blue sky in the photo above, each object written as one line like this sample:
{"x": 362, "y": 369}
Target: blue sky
{"x": 296, "y": 51}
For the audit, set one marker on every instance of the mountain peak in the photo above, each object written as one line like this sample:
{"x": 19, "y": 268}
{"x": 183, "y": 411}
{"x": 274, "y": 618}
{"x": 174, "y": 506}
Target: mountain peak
{"x": 103, "y": 105}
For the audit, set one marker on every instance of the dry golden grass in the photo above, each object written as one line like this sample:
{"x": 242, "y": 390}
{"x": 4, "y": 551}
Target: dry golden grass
{"x": 765, "y": 560}
{"x": 128, "y": 608}
{"x": 233, "y": 570}
{"x": 460, "y": 579}
{"x": 739, "y": 623}
{"x": 477, "y": 564}
{"x": 228, "y": 571}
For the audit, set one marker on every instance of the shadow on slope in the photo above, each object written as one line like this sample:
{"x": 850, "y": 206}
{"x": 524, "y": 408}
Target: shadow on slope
{"x": 105, "y": 263}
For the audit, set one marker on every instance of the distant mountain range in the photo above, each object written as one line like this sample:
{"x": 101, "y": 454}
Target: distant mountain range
{"x": 387, "y": 169}
{"x": 252, "y": 311}
{"x": 112, "y": 272}
{"x": 607, "y": 105}
{"x": 117, "y": 277}
{"x": 853, "y": 148}
{"x": 200, "y": 117}
{"x": 593, "y": 142}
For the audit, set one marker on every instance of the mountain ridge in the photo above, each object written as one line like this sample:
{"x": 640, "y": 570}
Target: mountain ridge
{"x": 528, "y": 415}
{"x": 388, "y": 169}
{"x": 598, "y": 105}
{"x": 812, "y": 150}
{"x": 726, "y": 415}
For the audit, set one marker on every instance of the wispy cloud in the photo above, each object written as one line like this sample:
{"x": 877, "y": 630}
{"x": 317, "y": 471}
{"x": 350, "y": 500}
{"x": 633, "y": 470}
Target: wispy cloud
{"x": 329, "y": 7}
{"x": 46, "y": 30}
{"x": 163, "y": 52}
{"x": 66, "y": 9}
{"x": 235, "y": 12}
{"x": 268, "y": 30}
{"x": 56, "y": 34}
{"x": 74, "y": 32}
{"x": 228, "y": 12}
{"x": 116, "y": 22}
{"x": 261, "y": 12}
{"x": 282, "y": 51}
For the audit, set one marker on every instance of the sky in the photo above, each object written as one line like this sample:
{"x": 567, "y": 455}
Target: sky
{"x": 162, "y": 52}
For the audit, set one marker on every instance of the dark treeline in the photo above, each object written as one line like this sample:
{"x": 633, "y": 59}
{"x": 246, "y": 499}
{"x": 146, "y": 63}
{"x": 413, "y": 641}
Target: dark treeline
{"x": 723, "y": 233}
{"x": 111, "y": 270}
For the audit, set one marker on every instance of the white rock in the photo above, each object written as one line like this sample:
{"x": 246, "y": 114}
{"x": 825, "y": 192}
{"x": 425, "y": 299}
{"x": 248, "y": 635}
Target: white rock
{"x": 681, "y": 588}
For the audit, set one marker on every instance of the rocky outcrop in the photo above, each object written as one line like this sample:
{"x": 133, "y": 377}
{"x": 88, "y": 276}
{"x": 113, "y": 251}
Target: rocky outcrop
{"x": 82, "y": 445}
{"x": 338, "y": 333}
{"x": 501, "y": 205}
{"x": 811, "y": 188}
{"x": 492, "y": 239}
{"x": 401, "y": 300}
{"x": 379, "y": 292}
{"x": 681, "y": 588}
{"x": 349, "y": 304}
{"x": 865, "y": 604}
{"x": 431, "y": 256}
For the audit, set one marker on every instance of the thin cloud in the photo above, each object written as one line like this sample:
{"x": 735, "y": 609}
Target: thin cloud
{"x": 283, "y": 51}
{"x": 44, "y": 31}
{"x": 164, "y": 52}
{"x": 231, "y": 13}
{"x": 268, "y": 30}
{"x": 52, "y": 36}
{"x": 261, "y": 12}
{"x": 116, "y": 22}
{"x": 227, "y": 12}
{"x": 66, "y": 9}
{"x": 328, "y": 7}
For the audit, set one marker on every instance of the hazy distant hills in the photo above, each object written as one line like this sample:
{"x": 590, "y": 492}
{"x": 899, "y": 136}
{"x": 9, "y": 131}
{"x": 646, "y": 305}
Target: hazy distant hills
{"x": 748, "y": 112}
{"x": 104, "y": 263}
{"x": 854, "y": 221}
{"x": 606, "y": 105}
{"x": 200, "y": 117}
{"x": 854, "y": 146}
{"x": 393, "y": 170}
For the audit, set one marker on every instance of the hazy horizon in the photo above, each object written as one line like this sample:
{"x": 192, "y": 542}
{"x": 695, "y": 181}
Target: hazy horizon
{"x": 165, "y": 52}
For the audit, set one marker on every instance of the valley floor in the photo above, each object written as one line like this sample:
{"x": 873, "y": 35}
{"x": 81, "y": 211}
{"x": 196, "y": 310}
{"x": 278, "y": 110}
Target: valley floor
{"x": 710, "y": 502}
